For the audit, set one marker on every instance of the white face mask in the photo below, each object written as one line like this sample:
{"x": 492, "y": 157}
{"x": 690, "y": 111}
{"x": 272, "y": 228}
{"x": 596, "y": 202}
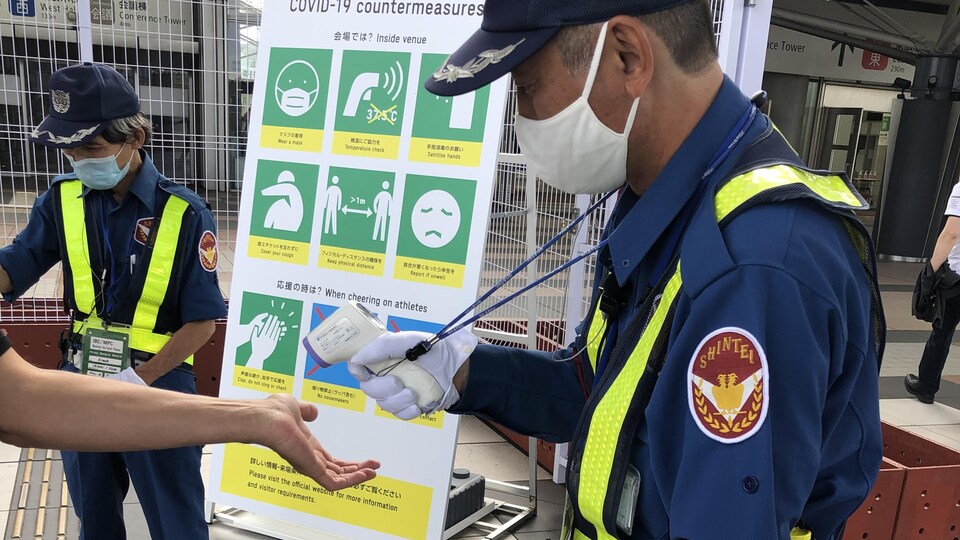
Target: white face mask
{"x": 573, "y": 150}
{"x": 296, "y": 101}
{"x": 100, "y": 173}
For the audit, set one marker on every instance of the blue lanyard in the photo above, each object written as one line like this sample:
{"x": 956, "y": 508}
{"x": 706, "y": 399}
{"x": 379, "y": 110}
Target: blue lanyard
{"x": 670, "y": 245}
{"x": 452, "y": 327}
{"x": 106, "y": 280}
{"x": 738, "y": 132}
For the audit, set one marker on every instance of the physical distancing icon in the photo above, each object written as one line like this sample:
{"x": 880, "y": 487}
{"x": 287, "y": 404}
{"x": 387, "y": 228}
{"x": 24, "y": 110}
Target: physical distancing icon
{"x": 331, "y": 206}
{"x": 354, "y": 196}
{"x": 381, "y": 209}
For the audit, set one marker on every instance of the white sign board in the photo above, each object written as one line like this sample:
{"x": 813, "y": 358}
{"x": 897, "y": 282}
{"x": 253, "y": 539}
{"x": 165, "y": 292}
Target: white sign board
{"x": 802, "y": 54}
{"x": 359, "y": 185}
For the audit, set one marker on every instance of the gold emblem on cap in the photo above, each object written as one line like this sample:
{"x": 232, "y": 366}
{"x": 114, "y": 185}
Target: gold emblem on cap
{"x": 57, "y": 139}
{"x": 452, "y": 73}
{"x": 61, "y": 101}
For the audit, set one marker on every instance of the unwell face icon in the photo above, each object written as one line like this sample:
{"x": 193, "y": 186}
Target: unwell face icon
{"x": 297, "y": 88}
{"x": 436, "y": 218}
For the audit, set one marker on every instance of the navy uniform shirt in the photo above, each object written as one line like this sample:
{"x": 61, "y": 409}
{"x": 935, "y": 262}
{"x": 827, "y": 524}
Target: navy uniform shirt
{"x": 36, "y": 249}
{"x": 788, "y": 274}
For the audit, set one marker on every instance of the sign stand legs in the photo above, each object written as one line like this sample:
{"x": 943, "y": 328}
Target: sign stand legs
{"x": 248, "y": 521}
{"x": 521, "y": 513}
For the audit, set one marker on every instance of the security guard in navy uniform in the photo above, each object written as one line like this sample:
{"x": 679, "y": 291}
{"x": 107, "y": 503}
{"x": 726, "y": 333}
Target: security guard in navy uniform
{"x": 139, "y": 256}
{"x": 724, "y": 383}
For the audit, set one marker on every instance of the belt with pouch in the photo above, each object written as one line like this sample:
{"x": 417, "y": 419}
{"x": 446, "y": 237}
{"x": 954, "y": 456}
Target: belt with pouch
{"x": 137, "y": 358}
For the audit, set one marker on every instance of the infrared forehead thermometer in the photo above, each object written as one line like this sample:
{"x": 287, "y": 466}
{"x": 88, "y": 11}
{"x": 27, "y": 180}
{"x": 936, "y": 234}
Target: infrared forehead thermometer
{"x": 351, "y": 328}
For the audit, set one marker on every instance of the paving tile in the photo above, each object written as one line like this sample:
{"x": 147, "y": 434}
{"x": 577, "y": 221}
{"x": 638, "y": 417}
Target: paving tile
{"x": 219, "y": 531}
{"x": 896, "y": 309}
{"x": 9, "y": 453}
{"x": 473, "y": 430}
{"x": 494, "y": 460}
{"x": 9, "y": 482}
{"x": 910, "y": 412}
{"x": 895, "y": 273}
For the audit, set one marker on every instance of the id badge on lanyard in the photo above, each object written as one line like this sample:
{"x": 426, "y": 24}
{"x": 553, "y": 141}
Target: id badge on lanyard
{"x": 104, "y": 352}
{"x": 626, "y": 511}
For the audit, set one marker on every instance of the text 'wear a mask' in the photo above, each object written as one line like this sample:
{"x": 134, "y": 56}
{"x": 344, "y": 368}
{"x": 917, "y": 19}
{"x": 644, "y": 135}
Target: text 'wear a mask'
{"x": 573, "y": 150}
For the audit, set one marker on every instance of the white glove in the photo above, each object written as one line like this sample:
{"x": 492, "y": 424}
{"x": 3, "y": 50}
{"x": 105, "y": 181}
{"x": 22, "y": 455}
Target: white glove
{"x": 442, "y": 362}
{"x": 128, "y": 376}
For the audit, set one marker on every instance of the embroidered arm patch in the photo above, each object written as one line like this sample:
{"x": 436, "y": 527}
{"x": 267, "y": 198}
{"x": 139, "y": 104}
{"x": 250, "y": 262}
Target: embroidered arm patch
{"x": 728, "y": 391}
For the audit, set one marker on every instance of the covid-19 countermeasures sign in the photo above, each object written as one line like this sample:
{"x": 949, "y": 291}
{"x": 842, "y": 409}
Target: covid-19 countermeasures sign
{"x": 359, "y": 185}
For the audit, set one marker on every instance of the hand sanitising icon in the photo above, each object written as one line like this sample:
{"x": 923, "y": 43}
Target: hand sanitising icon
{"x": 263, "y": 333}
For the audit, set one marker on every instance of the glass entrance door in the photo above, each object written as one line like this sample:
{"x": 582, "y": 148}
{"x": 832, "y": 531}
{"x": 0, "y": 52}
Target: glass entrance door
{"x": 840, "y": 138}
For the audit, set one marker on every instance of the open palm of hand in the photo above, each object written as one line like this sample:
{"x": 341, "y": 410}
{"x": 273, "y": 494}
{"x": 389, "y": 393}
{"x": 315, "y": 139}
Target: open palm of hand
{"x": 295, "y": 443}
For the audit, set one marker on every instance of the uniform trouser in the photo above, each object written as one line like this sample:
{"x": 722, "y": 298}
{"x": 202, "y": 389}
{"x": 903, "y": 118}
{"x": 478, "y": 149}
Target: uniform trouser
{"x": 938, "y": 345}
{"x": 168, "y": 484}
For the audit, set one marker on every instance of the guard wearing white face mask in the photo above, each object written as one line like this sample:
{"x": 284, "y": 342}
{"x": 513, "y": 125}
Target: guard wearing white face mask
{"x": 723, "y": 385}
{"x": 139, "y": 256}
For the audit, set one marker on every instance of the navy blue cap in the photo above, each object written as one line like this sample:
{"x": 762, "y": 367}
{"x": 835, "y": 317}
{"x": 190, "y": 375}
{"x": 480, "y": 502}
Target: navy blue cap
{"x": 513, "y": 30}
{"x": 83, "y": 101}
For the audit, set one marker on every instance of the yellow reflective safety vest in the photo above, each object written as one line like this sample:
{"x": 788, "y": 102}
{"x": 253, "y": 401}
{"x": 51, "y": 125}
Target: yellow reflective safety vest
{"x": 83, "y": 290}
{"x": 600, "y": 452}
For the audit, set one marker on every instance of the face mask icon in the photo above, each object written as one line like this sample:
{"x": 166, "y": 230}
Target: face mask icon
{"x": 296, "y": 101}
{"x": 297, "y": 88}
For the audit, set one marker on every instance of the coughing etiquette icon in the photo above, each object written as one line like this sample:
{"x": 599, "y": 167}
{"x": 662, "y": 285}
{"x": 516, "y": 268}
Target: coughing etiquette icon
{"x": 285, "y": 214}
{"x": 281, "y": 220}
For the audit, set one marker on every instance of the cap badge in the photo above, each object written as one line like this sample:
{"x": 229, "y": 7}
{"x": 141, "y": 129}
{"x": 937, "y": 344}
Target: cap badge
{"x": 61, "y": 101}
{"x": 59, "y": 139}
{"x": 452, "y": 73}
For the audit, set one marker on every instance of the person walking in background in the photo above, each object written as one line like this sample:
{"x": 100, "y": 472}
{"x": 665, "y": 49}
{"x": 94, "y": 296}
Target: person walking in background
{"x": 945, "y": 260}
